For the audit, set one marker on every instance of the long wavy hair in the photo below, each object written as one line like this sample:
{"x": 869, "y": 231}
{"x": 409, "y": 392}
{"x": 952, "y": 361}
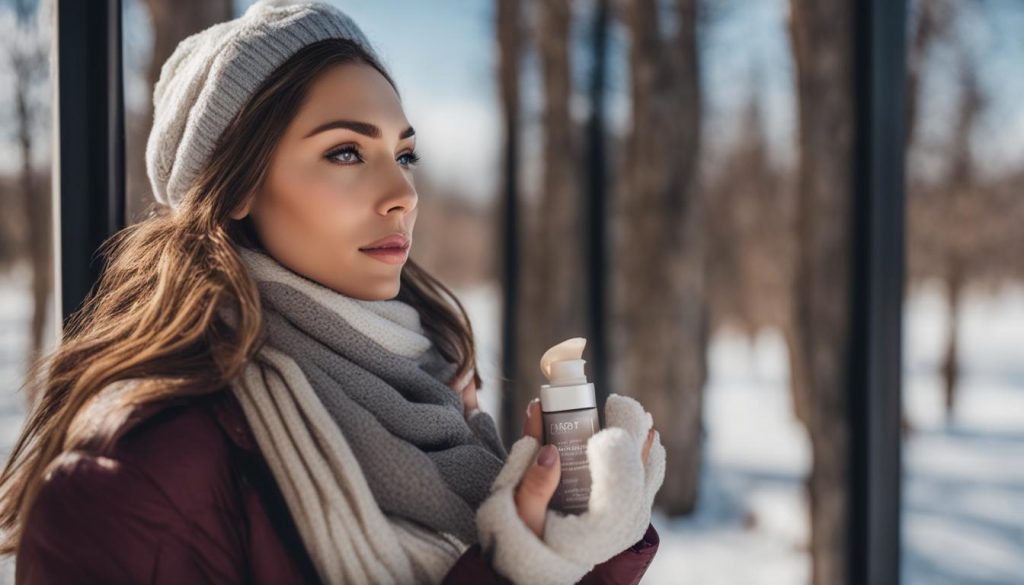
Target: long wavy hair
{"x": 154, "y": 313}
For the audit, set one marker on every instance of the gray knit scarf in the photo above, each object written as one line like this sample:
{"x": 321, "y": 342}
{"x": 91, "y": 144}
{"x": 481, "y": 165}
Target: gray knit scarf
{"x": 389, "y": 391}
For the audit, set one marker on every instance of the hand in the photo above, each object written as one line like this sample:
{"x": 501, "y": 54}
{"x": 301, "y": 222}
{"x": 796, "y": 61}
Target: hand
{"x": 529, "y": 543}
{"x": 538, "y": 484}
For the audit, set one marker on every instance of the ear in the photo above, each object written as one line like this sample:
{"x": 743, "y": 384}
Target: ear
{"x": 243, "y": 210}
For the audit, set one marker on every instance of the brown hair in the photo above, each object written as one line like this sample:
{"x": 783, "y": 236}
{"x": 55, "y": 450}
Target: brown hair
{"x": 155, "y": 312}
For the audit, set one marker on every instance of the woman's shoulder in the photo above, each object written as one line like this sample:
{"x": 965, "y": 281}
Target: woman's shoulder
{"x": 177, "y": 446}
{"x": 163, "y": 490}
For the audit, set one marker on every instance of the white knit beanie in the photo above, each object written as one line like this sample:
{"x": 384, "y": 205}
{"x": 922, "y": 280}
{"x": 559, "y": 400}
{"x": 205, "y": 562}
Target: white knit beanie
{"x": 212, "y": 73}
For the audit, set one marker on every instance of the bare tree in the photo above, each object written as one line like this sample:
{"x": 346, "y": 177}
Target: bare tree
{"x": 932, "y": 22}
{"x": 659, "y": 305}
{"x": 28, "y": 58}
{"x": 962, "y": 221}
{"x": 553, "y": 304}
{"x": 822, "y": 48}
{"x": 750, "y": 228}
{"x": 951, "y": 221}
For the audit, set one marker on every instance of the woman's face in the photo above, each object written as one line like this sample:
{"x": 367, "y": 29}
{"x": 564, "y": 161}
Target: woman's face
{"x": 339, "y": 180}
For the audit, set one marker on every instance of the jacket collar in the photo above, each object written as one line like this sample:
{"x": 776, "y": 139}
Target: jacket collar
{"x": 229, "y": 414}
{"x": 223, "y": 405}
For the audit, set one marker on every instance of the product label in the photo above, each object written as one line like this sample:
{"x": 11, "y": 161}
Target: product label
{"x": 569, "y": 432}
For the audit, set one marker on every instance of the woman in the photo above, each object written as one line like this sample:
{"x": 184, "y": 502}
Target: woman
{"x": 263, "y": 388}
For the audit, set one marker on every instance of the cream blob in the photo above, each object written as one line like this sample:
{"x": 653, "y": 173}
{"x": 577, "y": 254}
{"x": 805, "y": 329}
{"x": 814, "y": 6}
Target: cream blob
{"x": 567, "y": 351}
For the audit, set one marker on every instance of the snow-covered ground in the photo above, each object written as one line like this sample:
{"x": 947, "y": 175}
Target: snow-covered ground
{"x": 964, "y": 482}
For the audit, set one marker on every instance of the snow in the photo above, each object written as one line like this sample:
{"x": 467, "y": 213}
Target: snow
{"x": 963, "y": 484}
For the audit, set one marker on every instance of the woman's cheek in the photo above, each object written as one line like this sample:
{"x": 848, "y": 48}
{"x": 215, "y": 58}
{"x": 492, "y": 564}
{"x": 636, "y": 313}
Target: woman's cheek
{"x": 323, "y": 195}
{"x": 339, "y": 219}
{"x": 332, "y": 205}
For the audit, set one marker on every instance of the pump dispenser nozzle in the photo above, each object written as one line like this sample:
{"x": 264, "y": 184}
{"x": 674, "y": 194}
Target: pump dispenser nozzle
{"x": 562, "y": 364}
{"x": 567, "y": 386}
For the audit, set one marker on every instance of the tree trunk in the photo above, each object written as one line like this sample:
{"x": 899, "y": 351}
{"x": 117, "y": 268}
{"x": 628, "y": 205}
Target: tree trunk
{"x": 660, "y": 310}
{"x": 932, "y": 21}
{"x": 822, "y": 48}
{"x": 962, "y": 239}
{"x": 554, "y": 287}
{"x": 950, "y": 363}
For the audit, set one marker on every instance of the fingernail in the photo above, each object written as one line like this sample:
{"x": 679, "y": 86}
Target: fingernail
{"x": 546, "y": 457}
{"x": 529, "y": 406}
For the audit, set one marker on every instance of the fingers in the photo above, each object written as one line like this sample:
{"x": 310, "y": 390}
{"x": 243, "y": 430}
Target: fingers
{"x": 654, "y": 469}
{"x": 541, "y": 479}
{"x": 647, "y": 444}
{"x": 628, "y": 413}
{"x": 535, "y": 490}
{"x": 533, "y": 425}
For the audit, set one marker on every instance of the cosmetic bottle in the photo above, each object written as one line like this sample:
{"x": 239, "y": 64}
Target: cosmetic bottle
{"x": 569, "y": 412}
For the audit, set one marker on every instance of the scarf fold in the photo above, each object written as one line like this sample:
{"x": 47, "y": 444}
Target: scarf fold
{"x": 351, "y": 405}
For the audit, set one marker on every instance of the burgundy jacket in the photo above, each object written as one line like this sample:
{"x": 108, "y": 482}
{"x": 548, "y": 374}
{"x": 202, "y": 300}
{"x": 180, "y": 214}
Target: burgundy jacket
{"x": 187, "y": 497}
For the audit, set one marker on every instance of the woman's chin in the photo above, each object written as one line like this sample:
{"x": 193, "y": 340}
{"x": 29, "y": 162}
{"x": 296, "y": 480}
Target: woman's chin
{"x": 384, "y": 290}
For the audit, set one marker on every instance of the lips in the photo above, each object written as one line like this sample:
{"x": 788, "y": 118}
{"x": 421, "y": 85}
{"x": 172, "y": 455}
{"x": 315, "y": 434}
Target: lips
{"x": 396, "y": 241}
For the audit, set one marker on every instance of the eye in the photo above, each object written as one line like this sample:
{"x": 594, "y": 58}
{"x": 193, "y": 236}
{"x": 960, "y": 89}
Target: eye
{"x": 344, "y": 155}
{"x": 411, "y": 158}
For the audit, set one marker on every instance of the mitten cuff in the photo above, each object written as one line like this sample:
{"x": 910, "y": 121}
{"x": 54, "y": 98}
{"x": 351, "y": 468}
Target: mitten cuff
{"x": 513, "y": 549}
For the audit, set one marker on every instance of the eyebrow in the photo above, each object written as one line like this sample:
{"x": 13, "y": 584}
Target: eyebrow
{"x": 364, "y": 128}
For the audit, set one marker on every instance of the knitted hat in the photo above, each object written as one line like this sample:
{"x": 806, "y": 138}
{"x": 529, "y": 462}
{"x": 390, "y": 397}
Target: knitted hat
{"x": 212, "y": 73}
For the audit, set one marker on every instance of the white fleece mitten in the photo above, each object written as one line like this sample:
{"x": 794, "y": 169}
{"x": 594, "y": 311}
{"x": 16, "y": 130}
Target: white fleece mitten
{"x": 621, "y": 495}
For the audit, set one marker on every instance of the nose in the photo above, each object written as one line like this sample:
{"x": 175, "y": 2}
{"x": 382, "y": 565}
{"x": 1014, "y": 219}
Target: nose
{"x": 401, "y": 195}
